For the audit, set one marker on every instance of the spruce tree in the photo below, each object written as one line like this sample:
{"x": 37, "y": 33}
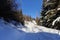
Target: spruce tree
{"x": 9, "y": 12}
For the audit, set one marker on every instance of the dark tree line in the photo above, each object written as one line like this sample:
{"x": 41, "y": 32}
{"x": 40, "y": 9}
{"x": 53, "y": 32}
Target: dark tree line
{"x": 50, "y": 13}
{"x": 8, "y": 11}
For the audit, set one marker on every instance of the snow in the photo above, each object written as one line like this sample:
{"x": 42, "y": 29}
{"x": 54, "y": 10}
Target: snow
{"x": 57, "y": 19}
{"x": 33, "y": 28}
{"x": 48, "y": 0}
{"x": 58, "y": 8}
{"x": 30, "y": 31}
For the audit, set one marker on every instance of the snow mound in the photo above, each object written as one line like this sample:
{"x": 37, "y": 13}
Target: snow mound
{"x": 10, "y": 24}
{"x": 31, "y": 31}
{"x": 33, "y": 28}
{"x": 30, "y": 27}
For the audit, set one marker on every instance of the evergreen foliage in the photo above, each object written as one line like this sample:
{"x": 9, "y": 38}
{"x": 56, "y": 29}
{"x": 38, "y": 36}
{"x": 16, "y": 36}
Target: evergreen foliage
{"x": 8, "y": 11}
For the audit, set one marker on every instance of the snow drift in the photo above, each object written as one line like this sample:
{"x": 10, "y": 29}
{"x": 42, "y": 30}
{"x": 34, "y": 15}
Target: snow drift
{"x": 31, "y": 31}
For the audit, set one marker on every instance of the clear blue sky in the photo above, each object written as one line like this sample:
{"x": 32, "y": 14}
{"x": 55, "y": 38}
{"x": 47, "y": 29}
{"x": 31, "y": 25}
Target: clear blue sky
{"x": 31, "y": 7}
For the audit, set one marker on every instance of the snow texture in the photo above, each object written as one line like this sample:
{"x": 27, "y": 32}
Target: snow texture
{"x": 33, "y": 28}
{"x": 30, "y": 31}
{"x": 58, "y": 8}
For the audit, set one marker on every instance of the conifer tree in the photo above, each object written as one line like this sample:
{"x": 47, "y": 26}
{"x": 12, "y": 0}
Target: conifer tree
{"x": 8, "y": 11}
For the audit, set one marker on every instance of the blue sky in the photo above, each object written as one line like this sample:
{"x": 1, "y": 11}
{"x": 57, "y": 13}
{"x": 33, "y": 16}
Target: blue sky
{"x": 31, "y": 7}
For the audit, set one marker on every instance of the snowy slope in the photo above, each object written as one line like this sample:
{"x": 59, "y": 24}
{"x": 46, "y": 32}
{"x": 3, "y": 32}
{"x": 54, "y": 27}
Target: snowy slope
{"x": 33, "y": 28}
{"x": 30, "y": 31}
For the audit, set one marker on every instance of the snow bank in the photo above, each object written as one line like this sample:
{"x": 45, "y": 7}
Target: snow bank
{"x": 8, "y": 31}
{"x": 33, "y": 28}
{"x": 30, "y": 27}
{"x": 10, "y": 24}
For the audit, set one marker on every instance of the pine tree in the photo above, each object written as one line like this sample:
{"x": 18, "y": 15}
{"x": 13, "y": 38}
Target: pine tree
{"x": 19, "y": 17}
{"x": 50, "y": 13}
{"x": 8, "y": 11}
{"x": 37, "y": 20}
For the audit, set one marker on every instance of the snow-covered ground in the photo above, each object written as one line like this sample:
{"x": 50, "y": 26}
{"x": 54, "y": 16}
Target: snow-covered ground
{"x": 34, "y": 28}
{"x": 30, "y": 31}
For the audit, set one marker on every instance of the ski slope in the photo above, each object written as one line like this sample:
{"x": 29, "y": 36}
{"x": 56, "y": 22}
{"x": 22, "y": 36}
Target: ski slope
{"x": 30, "y": 31}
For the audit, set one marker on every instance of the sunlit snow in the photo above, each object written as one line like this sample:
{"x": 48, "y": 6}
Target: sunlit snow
{"x": 30, "y": 31}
